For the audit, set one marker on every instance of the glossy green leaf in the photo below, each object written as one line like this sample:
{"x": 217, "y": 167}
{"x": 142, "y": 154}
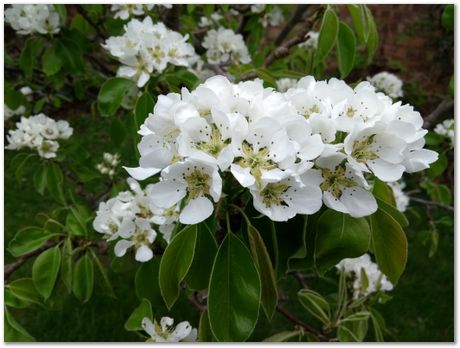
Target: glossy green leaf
{"x": 395, "y": 213}
{"x": 111, "y": 95}
{"x": 327, "y": 35}
{"x": 54, "y": 182}
{"x": 283, "y": 336}
{"x": 144, "y": 106}
{"x": 45, "y": 271}
{"x": 14, "y": 332}
{"x": 103, "y": 273}
{"x": 176, "y": 262}
{"x": 378, "y": 324}
{"x": 30, "y": 53}
{"x": 316, "y": 304}
{"x": 205, "y": 252}
{"x": 359, "y": 17}
{"x": 373, "y": 40}
{"x": 389, "y": 244}
{"x": 339, "y": 236}
{"x": 346, "y": 49}
{"x": 383, "y": 191}
{"x": 13, "y": 301}
{"x": 447, "y": 18}
{"x": 297, "y": 261}
{"x": 269, "y": 297}
{"x": 40, "y": 179}
{"x": 25, "y": 290}
{"x": 438, "y": 167}
{"x": 28, "y": 240}
{"x": 83, "y": 278}
{"x": 20, "y": 164}
{"x": 66, "y": 265}
{"x": 441, "y": 193}
{"x": 51, "y": 62}
{"x": 204, "y": 329}
{"x": 147, "y": 282}
{"x": 353, "y": 328}
{"x": 134, "y": 322}
{"x": 234, "y": 292}
{"x": 71, "y": 55}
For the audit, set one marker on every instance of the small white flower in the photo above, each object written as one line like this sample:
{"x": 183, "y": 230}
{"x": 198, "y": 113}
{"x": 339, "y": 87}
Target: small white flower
{"x": 446, "y": 129}
{"x": 109, "y": 164}
{"x": 138, "y": 234}
{"x": 388, "y": 83}
{"x": 272, "y": 18}
{"x": 311, "y": 43}
{"x": 30, "y": 19}
{"x": 361, "y": 267}
{"x": 285, "y": 83}
{"x": 166, "y": 332}
{"x": 225, "y": 46}
{"x": 402, "y": 200}
{"x": 258, "y": 8}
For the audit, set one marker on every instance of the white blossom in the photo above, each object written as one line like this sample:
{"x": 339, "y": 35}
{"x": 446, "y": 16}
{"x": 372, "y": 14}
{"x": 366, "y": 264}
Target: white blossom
{"x": 30, "y": 19}
{"x": 258, "y": 8}
{"x": 146, "y": 47}
{"x": 446, "y": 129}
{"x": 165, "y": 331}
{"x": 318, "y": 142}
{"x": 311, "y": 43}
{"x": 39, "y": 132}
{"x": 223, "y": 46}
{"x": 109, "y": 164}
{"x": 388, "y": 83}
{"x": 8, "y": 113}
{"x": 365, "y": 276}
{"x": 272, "y": 18}
{"x": 285, "y": 83}
{"x": 401, "y": 198}
{"x": 134, "y": 221}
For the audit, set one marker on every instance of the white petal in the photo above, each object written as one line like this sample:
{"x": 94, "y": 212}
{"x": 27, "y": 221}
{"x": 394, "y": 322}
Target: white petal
{"x": 243, "y": 175}
{"x": 167, "y": 193}
{"x": 122, "y": 246}
{"x": 127, "y": 227}
{"x": 331, "y": 202}
{"x": 140, "y": 173}
{"x": 144, "y": 253}
{"x": 197, "y": 210}
{"x": 358, "y": 201}
{"x": 181, "y": 331}
{"x": 148, "y": 327}
{"x": 386, "y": 171}
{"x": 166, "y": 323}
{"x": 306, "y": 200}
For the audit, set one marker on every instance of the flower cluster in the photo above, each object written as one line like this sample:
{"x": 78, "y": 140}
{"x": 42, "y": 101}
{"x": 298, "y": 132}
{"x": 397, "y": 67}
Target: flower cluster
{"x": 365, "y": 275}
{"x": 446, "y": 129}
{"x": 285, "y": 83}
{"x": 166, "y": 332}
{"x": 133, "y": 220}
{"x": 29, "y": 19}
{"x": 401, "y": 198}
{"x": 125, "y": 11}
{"x": 224, "y": 46}
{"x": 272, "y": 18}
{"x": 388, "y": 83}
{"x": 315, "y": 143}
{"x": 311, "y": 43}
{"x": 145, "y": 47}
{"x": 8, "y": 113}
{"x": 208, "y": 21}
{"x": 39, "y": 132}
{"x": 109, "y": 164}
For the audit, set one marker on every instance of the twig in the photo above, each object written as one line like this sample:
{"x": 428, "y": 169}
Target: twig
{"x": 296, "y": 321}
{"x": 433, "y": 118}
{"x": 290, "y": 24}
{"x": 436, "y": 204}
{"x": 300, "y": 278}
{"x": 13, "y": 266}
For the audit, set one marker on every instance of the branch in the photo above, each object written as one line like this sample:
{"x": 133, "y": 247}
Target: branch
{"x": 433, "y": 118}
{"x": 13, "y": 266}
{"x": 172, "y": 19}
{"x": 295, "y": 18}
{"x": 436, "y": 204}
{"x": 296, "y": 321}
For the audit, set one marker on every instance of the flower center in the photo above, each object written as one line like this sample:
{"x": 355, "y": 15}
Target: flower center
{"x": 335, "y": 181}
{"x": 215, "y": 144}
{"x": 140, "y": 237}
{"x": 197, "y": 183}
{"x": 272, "y": 194}
{"x": 256, "y": 160}
{"x": 350, "y": 112}
{"x": 362, "y": 149}
{"x": 307, "y": 112}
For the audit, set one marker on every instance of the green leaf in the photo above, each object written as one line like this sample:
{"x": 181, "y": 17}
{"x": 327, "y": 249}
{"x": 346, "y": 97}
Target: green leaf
{"x": 111, "y": 95}
{"x": 81, "y": 24}
{"x": 205, "y": 252}
{"x": 204, "y": 329}
{"x": 327, "y": 35}
{"x": 28, "y": 240}
{"x": 234, "y": 292}
{"x": 441, "y": 194}
{"x": 438, "y": 167}
{"x": 71, "y": 55}
{"x": 353, "y": 328}
{"x": 45, "y": 271}
{"x": 33, "y": 47}
{"x": 395, "y": 213}
{"x": 144, "y": 106}
{"x": 25, "y": 290}
{"x": 378, "y": 323}
{"x": 373, "y": 41}
{"x": 339, "y": 236}
{"x": 104, "y": 275}
{"x": 452, "y": 86}
{"x": 74, "y": 223}
{"x": 21, "y": 164}
{"x": 283, "y": 336}
{"x": 134, "y": 322}
{"x": 269, "y": 297}
{"x": 66, "y": 266}
{"x": 62, "y": 11}
{"x": 176, "y": 262}
{"x": 14, "y": 332}
{"x": 51, "y": 62}
{"x": 83, "y": 278}
{"x": 389, "y": 244}
{"x": 40, "y": 179}
{"x": 447, "y": 18}
{"x": 298, "y": 260}
{"x": 13, "y": 301}
{"x": 346, "y": 47}
{"x": 146, "y": 282}
{"x": 359, "y": 17}
{"x": 187, "y": 78}
{"x": 384, "y": 192}
{"x": 54, "y": 183}
{"x": 316, "y": 304}
{"x": 117, "y": 132}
